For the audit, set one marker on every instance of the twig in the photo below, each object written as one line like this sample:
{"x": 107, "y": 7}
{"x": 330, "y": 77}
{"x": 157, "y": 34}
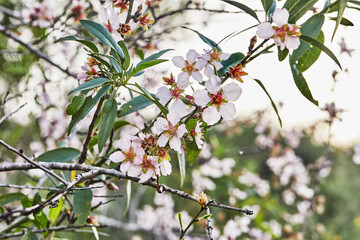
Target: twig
{"x": 101, "y": 203}
{"x": 88, "y": 137}
{"x": 51, "y": 229}
{"x": 108, "y": 196}
{"x": 33, "y": 163}
{"x": 4, "y": 101}
{"x": 44, "y": 188}
{"x": 112, "y": 172}
{"x": 209, "y": 227}
{"x": 10, "y": 13}
{"x": 10, "y": 114}
{"x": 38, "y": 53}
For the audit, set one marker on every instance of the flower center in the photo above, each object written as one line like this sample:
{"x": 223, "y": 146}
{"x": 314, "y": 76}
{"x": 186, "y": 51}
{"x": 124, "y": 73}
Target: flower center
{"x": 189, "y": 67}
{"x": 217, "y": 99}
{"x": 176, "y": 92}
{"x": 130, "y": 155}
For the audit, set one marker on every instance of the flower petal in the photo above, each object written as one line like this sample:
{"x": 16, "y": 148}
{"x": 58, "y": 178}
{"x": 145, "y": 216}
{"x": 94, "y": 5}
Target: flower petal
{"x": 211, "y": 115}
{"x": 161, "y": 124}
{"x": 292, "y": 42}
{"x": 228, "y": 111}
{"x": 173, "y": 117}
{"x": 163, "y": 139}
{"x": 280, "y": 17}
{"x": 163, "y": 94}
{"x": 179, "y": 107}
{"x": 179, "y": 61}
{"x": 265, "y": 30}
{"x": 165, "y": 167}
{"x": 197, "y": 76}
{"x": 181, "y": 130}
{"x": 213, "y": 85}
{"x": 175, "y": 143}
{"x": 183, "y": 77}
{"x": 201, "y": 97}
{"x": 124, "y": 167}
{"x": 192, "y": 55}
{"x": 117, "y": 157}
{"x": 232, "y": 91}
{"x": 201, "y": 63}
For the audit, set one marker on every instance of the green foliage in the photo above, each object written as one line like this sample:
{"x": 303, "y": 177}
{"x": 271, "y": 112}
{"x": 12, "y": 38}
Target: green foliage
{"x": 29, "y": 236}
{"x": 108, "y": 116}
{"x": 75, "y": 104}
{"x": 96, "y": 82}
{"x": 89, "y": 44}
{"x": 192, "y": 151}
{"x": 342, "y": 6}
{"x": 135, "y": 104}
{"x": 244, "y": 8}
{"x": 54, "y": 212}
{"x": 59, "y": 155}
{"x": 206, "y": 40}
{"x": 82, "y": 205}
{"x": 11, "y": 197}
{"x": 310, "y": 56}
{"x": 298, "y": 8}
{"x": 182, "y": 165}
{"x": 282, "y": 54}
{"x": 267, "y": 4}
{"x": 234, "y": 59}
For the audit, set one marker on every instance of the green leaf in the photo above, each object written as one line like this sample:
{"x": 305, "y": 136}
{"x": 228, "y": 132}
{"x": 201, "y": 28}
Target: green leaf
{"x": 206, "y": 40}
{"x": 119, "y": 124}
{"x": 96, "y": 82}
{"x": 354, "y": 2}
{"x": 310, "y": 56}
{"x": 312, "y": 28}
{"x": 11, "y": 197}
{"x": 180, "y": 221}
{"x": 267, "y": 4}
{"x": 302, "y": 84}
{"x": 29, "y": 236}
{"x": 152, "y": 98}
{"x": 297, "y": 8}
{"x": 76, "y": 104}
{"x": 272, "y": 102}
{"x": 128, "y": 196}
{"x": 244, "y": 8}
{"x": 89, "y": 103}
{"x": 126, "y": 62}
{"x": 102, "y": 34}
{"x": 282, "y": 54}
{"x": 89, "y": 44}
{"x": 108, "y": 115}
{"x": 54, "y": 212}
{"x": 234, "y": 59}
{"x": 59, "y": 155}
{"x": 192, "y": 151}
{"x": 182, "y": 165}
{"x": 82, "y": 205}
{"x": 148, "y": 64}
{"x": 322, "y": 47}
{"x": 139, "y": 52}
{"x": 206, "y": 216}
{"x": 342, "y": 6}
{"x": 344, "y": 21}
{"x": 40, "y": 219}
{"x": 154, "y": 56}
{"x": 134, "y": 105}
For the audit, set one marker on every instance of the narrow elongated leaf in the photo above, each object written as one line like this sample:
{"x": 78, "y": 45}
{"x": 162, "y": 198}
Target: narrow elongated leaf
{"x": 244, "y": 8}
{"x": 234, "y": 59}
{"x": 182, "y": 166}
{"x": 322, "y": 47}
{"x": 354, "y": 2}
{"x": 119, "y": 124}
{"x": 102, "y": 34}
{"x": 310, "y": 56}
{"x": 272, "y": 102}
{"x": 192, "y": 151}
{"x": 126, "y": 62}
{"x": 116, "y": 66}
{"x": 137, "y": 103}
{"x": 108, "y": 116}
{"x": 302, "y": 84}
{"x": 152, "y": 98}
{"x": 88, "y": 104}
{"x": 82, "y": 205}
{"x": 267, "y": 4}
{"x": 149, "y": 64}
{"x": 206, "y": 40}
{"x": 154, "y": 56}
{"x": 11, "y": 197}
{"x": 282, "y": 54}
{"x": 297, "y": 8}
{"x": 311, "y": 28}
{"x": 76, "y": 103}
{"x": 344, "y": 21}
{"x": 55, "y": 212}
{"x": 96, "y": 82}
{"x": 342, "y": 6}
{"x": 29, "y": 236}
{"x": 59, "y": 155}
{"x": 180, "y": 220}
{"x": 89, "y": 44}
{"x": 40, "y": 220}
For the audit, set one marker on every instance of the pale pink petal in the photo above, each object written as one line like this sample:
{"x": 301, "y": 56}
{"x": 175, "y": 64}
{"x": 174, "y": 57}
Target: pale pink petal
{"x": 175, "y": 143}
{"x": 192, "y": 55}
{"x": 183, "y": 77}
{"x": 232, "y": 91}
{"x": 292, "y": 42}
{"x": 103, "y": 15}
{"x": 213, "y": 85}
{"x": 201, "y": 63}
{"x": 117, "y": 157}
{"x": 181, "y": 130}
{"x": 146, "y": 176}
{"x": 124, "y": 167}
{"x": 161, "y": 124}
{"x": 211, "y": 115}
{"x": 173, "y": 117}
{"x": 265, "y": 30}
{"x": 165, "y": 167}
{"x": 124, "y": 143}
{"x": 134, "y": 170}
{"x": 183, "y": 83}
{"x": 114, "y": 19}
{"x": 199, "y": 142}
{"x": 280, "y": 16}
{"x": 197, "y": 76}
{"x": 164, "y": 95}
{"x": 201, "y": 97}
{"x": 224, "y": 56}
{"x": 217, "y": 65}
{"x": 279, "y": 43}
{"x": 228, "y": 111}
{"x": 179, "y": 61}
{"x": 179, "y": 106}
{"x": 209, "y": 70}
{"x": 163, "y": 139}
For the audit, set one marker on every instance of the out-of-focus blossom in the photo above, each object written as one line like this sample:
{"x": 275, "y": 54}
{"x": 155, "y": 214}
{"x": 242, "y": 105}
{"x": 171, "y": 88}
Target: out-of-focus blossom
{"x": 288, "y": 196}
{"x": 356, "y": 156}
{"x": 144, "y": 166}
{"x": 211, "y": 58}
{"x": 189, "y": 66}
{"x": 201, "y": 183}
{"x": 78, "y": 9}
{"x": 257, "y": 234}
{"x": 216, "y": 168}
{"x": 198, "y": 135}
{"x": 217, "y": 98}
{"x": 284, "y": 34}
{"x": 39, "y": 14}
{"x": 235, "y": 228}
{"x": 110, "y": 20}
{"x": 234, "y": 194}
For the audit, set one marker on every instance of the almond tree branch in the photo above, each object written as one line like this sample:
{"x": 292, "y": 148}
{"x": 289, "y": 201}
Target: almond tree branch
{"x": 43, "y": 188}
{"x": 10, "y": 114}
{"x": 112, "y": 172}
{"x": 33, "y": 163}
{"x": 35, "y": 51}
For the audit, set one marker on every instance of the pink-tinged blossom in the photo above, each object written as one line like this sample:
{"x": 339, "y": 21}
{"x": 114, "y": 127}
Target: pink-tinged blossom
{"x": 164, "y": 160}
{"x": 129, "y": 148}
{"x": 198, "y": 135}
{"x": 78, "y": 9}
{"x": 110, "y": 20}
{"x": 217, "y": 98}
{"x": 39, "y": 14}
{"x": 189, "y": 66}
{"x": 170, "y": 130}
{"x": 175, "y": 92}
{"x": 90, "y": 70}
{"x": 144, "y": 166}
{"x": 284, "y": 34}
{"x": 211, "y": 58}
